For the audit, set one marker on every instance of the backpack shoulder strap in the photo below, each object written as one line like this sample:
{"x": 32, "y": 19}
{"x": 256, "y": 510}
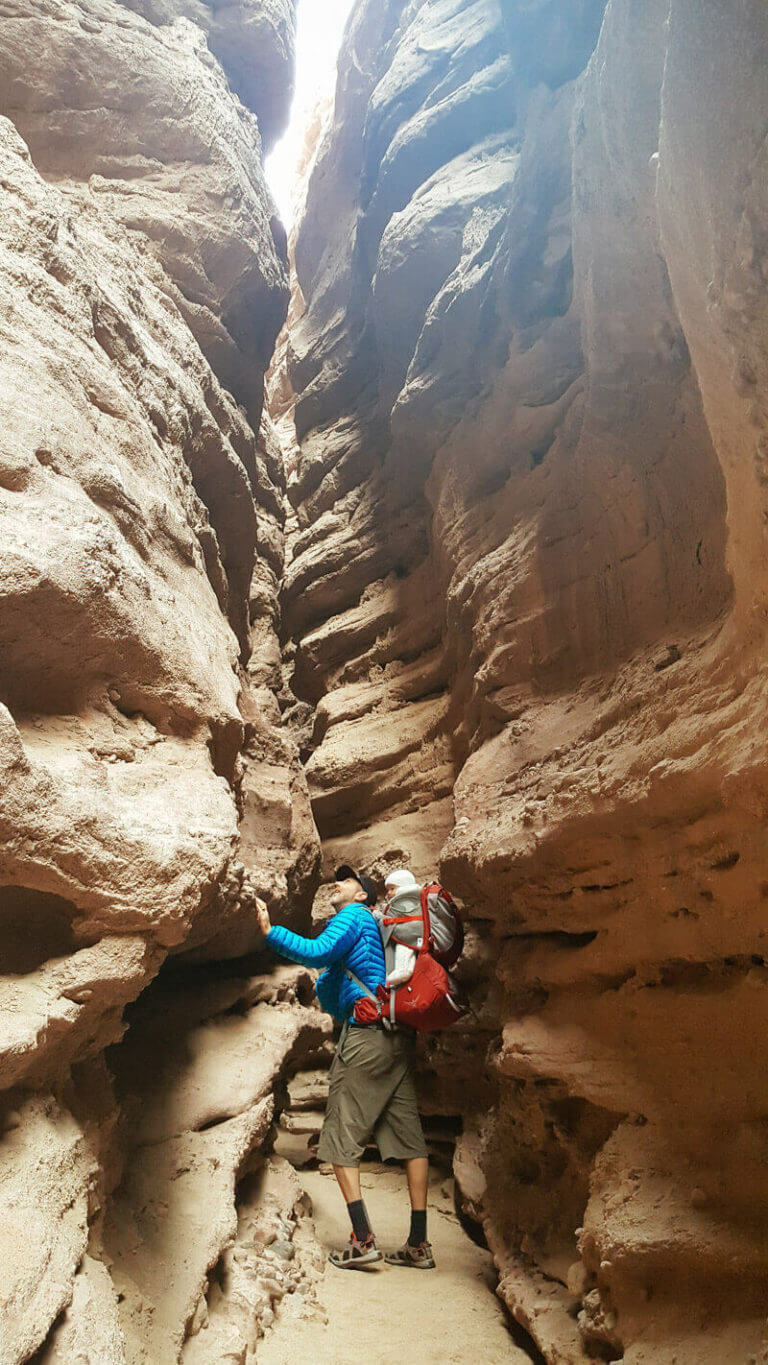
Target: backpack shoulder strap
{"x": 424, "y": 898}
{"x": 359, "y": 983}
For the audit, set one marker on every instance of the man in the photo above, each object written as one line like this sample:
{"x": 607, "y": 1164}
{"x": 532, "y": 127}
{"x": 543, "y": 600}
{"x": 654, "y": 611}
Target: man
{"x": 371, "y": 1087}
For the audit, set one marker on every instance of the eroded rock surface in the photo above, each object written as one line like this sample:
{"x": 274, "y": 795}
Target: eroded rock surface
{"x": 149, "y": 789}
{"x": 195, "y": 1114}
{"x": 525, "y": 600}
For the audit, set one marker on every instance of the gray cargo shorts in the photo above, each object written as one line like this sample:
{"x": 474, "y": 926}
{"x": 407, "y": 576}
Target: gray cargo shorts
{"x": 371, "y": 1091}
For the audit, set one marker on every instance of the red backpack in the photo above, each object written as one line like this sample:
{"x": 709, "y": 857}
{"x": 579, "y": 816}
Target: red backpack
{"x": 425, "y": 919}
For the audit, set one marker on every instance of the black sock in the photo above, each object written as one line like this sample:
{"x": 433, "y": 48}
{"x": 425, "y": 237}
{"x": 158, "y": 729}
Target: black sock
{"x": 418, "y": 1232}
{"x": 359, "y": 1219}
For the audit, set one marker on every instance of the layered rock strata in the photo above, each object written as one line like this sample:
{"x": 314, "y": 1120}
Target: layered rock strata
{"x": 525, "y": 603}
{"x": 146, "y": 1220}
{"x": 148, "y": 786}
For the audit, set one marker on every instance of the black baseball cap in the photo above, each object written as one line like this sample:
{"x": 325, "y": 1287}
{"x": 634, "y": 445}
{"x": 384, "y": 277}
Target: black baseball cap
{"x": 369, "y": 887}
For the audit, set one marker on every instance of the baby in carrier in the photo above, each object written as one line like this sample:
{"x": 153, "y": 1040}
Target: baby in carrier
{"x": 401, "y": 941}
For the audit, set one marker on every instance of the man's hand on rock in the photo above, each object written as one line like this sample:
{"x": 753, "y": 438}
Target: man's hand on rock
{"x": 262, "y": 914}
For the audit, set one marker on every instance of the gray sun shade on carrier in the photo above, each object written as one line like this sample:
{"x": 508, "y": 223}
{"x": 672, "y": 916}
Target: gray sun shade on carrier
{"x": 405, "y": 909}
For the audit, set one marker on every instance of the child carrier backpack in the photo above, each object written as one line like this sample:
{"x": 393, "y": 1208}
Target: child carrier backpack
{"x": 426, "y": 920}
{"x": 425, "y": 917}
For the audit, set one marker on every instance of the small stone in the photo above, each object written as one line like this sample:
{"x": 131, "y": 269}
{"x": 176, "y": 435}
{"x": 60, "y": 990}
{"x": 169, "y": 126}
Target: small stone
{"x": 667, "y": 656}
{"x": 577, "y": 1279}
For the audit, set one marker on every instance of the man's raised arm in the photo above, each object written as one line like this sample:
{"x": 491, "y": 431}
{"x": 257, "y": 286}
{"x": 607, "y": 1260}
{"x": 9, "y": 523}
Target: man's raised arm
{"x": 333, "y": 943}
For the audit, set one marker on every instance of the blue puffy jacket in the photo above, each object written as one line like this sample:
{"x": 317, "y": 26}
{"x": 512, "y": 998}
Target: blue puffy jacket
{"x": 351, "y": 939}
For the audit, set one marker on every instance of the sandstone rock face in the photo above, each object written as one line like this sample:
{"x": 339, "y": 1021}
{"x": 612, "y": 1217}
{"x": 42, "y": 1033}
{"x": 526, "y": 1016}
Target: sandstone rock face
{"x": 253, "y": 41}
{"x": 192, "y": 1125}
{"x": 525, "y": 603}
{"x": 148, "y": 786}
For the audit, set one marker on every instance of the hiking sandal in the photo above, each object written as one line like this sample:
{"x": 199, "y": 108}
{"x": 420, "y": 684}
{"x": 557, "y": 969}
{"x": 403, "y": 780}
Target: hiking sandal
{"x": 418, "y": 1258}
{"x": 357, "y": 1255}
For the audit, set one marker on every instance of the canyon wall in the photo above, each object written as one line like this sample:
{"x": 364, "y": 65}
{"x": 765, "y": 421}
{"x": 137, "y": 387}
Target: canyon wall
{"x": 526, "y": 623}
{"x": 149, "y": 789}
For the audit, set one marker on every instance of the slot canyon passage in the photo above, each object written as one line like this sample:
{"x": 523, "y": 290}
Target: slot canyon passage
{"x": 437, "y": 538}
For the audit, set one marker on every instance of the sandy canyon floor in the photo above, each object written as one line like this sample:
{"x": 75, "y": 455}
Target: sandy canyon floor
{"x": 450, "y": 1314}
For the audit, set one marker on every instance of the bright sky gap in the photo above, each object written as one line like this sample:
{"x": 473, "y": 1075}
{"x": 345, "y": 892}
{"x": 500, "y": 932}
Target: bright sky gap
{"x": 319, "y": 28}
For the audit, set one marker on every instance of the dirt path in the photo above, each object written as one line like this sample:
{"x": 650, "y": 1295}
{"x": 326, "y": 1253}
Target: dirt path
{"x": 449, "y": 1315}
